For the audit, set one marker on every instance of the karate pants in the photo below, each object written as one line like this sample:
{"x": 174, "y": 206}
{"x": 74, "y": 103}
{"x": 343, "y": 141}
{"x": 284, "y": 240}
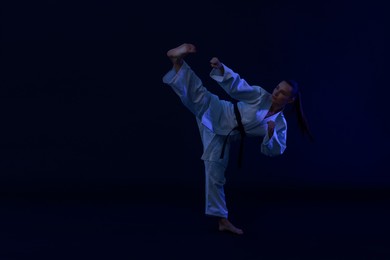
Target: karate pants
{"x": 199, "y": 100}
{"x": 215, "y": 167}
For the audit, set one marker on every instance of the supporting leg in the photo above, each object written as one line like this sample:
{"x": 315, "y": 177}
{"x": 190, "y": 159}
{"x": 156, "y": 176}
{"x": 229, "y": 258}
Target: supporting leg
{"x": 215, "y": 196}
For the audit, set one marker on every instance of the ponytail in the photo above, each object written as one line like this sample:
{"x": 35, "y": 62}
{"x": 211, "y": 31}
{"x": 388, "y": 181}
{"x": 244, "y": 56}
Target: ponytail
{"x": 297, "y": 105}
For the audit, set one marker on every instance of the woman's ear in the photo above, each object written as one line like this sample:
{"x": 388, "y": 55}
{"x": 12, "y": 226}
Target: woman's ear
{"x": 291, "y": 100}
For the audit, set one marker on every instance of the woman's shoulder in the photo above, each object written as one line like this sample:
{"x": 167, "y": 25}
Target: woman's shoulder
{"x": 262, "y": 90}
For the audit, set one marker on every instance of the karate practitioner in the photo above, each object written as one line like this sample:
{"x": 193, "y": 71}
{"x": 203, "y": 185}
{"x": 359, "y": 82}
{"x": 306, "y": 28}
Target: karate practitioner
{"x": 258, "y": 112}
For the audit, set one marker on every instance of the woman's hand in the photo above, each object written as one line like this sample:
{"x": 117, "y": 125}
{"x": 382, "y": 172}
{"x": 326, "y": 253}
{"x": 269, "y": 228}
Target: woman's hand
{"x": 215, "y": 63}
{"x": 271, "y": 128}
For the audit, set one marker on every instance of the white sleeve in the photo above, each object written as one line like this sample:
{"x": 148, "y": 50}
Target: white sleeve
{"x": 235, "y": 86}
{"x": 277, "y": 143}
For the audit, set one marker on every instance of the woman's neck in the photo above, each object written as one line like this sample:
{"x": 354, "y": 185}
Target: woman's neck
{"x": 275, "y": 108}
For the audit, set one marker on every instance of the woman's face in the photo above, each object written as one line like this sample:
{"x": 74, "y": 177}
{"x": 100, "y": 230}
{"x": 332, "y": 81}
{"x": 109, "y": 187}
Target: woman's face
{"x": 282, "y": 94}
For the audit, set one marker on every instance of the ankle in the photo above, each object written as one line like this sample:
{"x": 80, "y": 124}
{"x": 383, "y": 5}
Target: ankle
{"x": 223, "y": 221}
{"x": 177, "y": 63}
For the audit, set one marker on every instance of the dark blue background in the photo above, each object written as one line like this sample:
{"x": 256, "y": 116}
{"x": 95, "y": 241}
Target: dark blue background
{"x": 99, "y": 159}
{"x": 83, "y": 104}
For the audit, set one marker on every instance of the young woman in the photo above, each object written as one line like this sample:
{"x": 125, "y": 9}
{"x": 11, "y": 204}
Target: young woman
{"x": 257, "y": 113}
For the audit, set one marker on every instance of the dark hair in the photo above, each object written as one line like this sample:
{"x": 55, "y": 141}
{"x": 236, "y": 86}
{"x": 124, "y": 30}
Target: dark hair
{"x": 302, "y": 121}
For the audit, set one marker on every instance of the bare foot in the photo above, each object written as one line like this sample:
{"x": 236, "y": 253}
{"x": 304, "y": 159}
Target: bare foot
{"x": 177, "y": 54}
{"x": 225, "y": 225}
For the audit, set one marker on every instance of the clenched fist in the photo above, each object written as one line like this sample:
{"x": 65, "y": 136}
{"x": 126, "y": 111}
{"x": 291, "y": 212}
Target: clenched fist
{"x": 215, "y": 63}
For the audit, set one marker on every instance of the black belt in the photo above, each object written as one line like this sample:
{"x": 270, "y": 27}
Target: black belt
{"x": 241, "y": 129}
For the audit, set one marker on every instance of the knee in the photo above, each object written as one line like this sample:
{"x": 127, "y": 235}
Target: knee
{"x": 217, "y": 180}
{"x": 215, "y": 172}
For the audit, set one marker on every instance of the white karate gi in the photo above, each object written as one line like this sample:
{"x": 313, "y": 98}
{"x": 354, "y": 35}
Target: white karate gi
{"x": 216, "y": 119}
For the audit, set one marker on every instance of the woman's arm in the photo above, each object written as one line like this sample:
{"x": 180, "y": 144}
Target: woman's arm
{"x": 274, "y": 142}
{"x": 233, "y": 84}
